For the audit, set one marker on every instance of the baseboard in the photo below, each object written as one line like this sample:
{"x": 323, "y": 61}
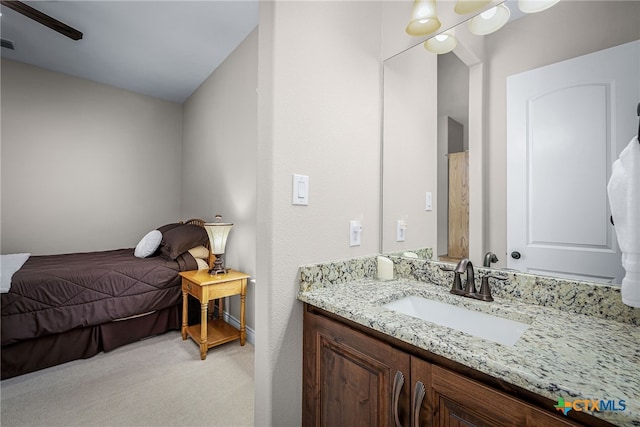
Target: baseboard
{"x": 251, "y": 335}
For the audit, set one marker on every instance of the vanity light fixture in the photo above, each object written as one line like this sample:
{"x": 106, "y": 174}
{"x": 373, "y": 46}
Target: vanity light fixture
{"x": 534, "y": 6}
{"x": 424, "y": 19}
{"x": 464, "y": 7}
{"x": 218, "y": 232}
{"x": 442, "y": 43}
{"x": 490, "y": 20}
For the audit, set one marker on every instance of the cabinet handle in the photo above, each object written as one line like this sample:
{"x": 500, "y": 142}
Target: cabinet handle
{"x": 418, "y": 397}
{"x": 398, "y": 382}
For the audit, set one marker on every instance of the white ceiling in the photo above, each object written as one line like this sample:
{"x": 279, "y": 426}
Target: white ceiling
{"x": 164, "y": 49}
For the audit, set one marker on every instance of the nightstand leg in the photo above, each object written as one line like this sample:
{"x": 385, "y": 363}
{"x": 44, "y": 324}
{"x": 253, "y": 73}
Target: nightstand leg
{"x": 184, "y": 316}
{"x": 243, "y": 297}
{"x": 203, "y": 330}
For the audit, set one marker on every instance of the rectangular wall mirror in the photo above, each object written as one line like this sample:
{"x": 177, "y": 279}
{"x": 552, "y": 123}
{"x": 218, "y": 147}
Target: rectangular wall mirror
{"x": 455, "y": 125}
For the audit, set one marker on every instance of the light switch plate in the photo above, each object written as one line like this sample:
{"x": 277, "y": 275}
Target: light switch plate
{"x": 401, "y": 230}
{"x": 429, "y": 201}
{"x": 355, "y": 232}
{"x": 300, "y": 193}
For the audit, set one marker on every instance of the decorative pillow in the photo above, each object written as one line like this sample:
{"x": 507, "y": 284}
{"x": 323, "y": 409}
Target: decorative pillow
{"x": 186, "y": 262}
{"x": 149, "y": 244}
{"x": 199, "y": 252}
{"x": 180, "y": 239}
{"x": 163, "y": 229}
{"x": 202, "y": 264}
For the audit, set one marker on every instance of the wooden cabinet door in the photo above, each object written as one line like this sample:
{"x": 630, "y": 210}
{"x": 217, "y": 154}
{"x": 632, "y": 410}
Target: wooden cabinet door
{"x": 351, "y": 379}
{"x": 460, "y": 401}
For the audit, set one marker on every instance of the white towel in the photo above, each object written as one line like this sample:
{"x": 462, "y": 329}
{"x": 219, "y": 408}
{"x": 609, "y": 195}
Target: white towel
{"x": 624, "y": 198}
{"x": 9, "y": 264}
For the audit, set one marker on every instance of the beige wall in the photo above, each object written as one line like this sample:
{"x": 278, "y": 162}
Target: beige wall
{"x": 535, "y": 41}
{"x": 219, "y": 158}
{"x": 85, "y": 166}
{"x": 319, "y": 115}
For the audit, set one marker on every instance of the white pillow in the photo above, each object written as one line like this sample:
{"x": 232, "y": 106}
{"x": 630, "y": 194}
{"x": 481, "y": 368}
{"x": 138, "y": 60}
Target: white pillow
{"x": 199, "y": 252}
{"x": 9, "y": 264}
{"x": 149, "y": 244}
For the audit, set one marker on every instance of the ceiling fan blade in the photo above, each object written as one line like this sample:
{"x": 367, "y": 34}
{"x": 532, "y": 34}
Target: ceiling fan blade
{"x": 42, "y": 18}
{"x": 7, "y": 44}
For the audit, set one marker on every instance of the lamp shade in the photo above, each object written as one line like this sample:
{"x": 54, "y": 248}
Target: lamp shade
{"x": 424, "y": 19}
{"x": 218, "y": 233}
{"x": 442, "y": 43}
{"x": 463, "y": 7}
{"x": 490, "y": 20}
{"x": 533, "y": 6}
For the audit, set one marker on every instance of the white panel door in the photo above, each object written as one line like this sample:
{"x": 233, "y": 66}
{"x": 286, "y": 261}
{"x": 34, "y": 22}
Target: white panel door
{"x": 566, "y": 124}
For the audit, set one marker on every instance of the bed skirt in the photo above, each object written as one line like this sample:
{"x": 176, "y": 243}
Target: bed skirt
{"x": 82, "y": 343}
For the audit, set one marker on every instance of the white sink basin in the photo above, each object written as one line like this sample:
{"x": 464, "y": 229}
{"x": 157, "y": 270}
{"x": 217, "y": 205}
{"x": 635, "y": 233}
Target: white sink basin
{"x": 482, "y": 325}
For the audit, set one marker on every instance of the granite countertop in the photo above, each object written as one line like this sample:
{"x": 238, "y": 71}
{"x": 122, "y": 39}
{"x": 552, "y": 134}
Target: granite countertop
{"x": 562, "y": 354}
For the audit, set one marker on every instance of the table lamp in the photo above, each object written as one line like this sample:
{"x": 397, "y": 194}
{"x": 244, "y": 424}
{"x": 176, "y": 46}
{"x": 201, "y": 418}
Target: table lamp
{"x": 218, "y": 232}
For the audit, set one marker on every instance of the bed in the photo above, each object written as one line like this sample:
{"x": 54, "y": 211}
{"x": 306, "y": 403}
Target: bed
{"x": 71, "y": 306}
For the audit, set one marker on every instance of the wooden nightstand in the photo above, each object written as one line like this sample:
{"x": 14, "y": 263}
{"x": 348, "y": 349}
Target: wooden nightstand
{"x": 206, "y": 287}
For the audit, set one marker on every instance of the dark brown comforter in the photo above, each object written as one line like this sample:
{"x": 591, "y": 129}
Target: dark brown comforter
{"x": 56, "y": 293}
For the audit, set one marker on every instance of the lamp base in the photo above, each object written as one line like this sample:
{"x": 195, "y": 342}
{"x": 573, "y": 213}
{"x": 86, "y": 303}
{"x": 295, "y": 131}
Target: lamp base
{"x": 218, "y": 266}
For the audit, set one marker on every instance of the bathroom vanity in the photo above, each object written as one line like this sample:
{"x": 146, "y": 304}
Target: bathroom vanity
{"x": 366, "y": 364}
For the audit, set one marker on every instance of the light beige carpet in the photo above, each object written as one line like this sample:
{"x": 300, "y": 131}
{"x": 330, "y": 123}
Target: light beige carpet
{"x": 160, "y": 381}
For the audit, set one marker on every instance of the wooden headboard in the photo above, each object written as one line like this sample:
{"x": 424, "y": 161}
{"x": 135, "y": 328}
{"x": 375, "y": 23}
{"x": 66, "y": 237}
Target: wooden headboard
{"x": 196, "y": 221}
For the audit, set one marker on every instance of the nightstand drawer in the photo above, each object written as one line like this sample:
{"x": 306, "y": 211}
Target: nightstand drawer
{"x": 192, "y": 289}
